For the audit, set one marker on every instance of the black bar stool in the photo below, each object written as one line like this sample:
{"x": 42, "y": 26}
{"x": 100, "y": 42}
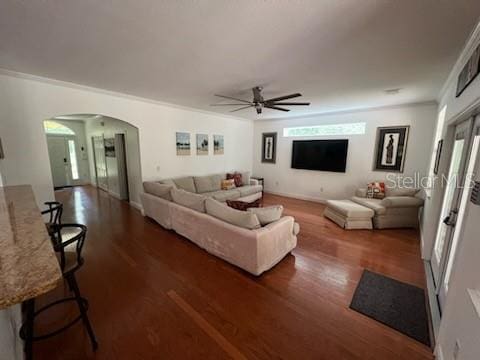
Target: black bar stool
{"x": 55, "y": 211}
{"x": 70, "y": 262}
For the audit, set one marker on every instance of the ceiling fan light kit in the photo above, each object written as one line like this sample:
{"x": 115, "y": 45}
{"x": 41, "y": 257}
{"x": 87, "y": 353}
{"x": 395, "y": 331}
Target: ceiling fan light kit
{"x": 259, "y": 102}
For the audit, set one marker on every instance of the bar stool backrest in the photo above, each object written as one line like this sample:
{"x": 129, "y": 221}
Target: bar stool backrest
{"x": 63, "y": 237}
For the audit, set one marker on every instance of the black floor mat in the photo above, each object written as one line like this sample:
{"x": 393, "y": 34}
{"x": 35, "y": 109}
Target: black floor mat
{"x": 396, "y": 304}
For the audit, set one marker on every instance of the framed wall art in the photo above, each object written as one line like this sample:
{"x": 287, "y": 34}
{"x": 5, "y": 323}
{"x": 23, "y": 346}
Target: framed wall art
{"x": 202, "y": 144}
{"x": 391, "y": 147}
{"x": 269, "y": 147}
{"x": 218, "y": 145}
{"x": 183, "y": 143}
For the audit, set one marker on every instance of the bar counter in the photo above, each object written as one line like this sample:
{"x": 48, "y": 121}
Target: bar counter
{"x": 28, "y": 265}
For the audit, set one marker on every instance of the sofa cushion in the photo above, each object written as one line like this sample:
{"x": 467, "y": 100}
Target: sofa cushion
{"x": 239, "y": 218}
{"x": 186, "y": 183}
{"x": 158, "y": 189}
{"x": 400, "y": 192}
{"x": 188, "y": 199}
{"x": 224, "y": 195}
{"x": 374, "y": 204}
{"x": 350, "y": 209}
{"x": 168, "y": 182}
{"x": 267, "y": 215}
{"x": 249, "y": 189}
{"x": 245, "y": 177}
{"x": 402, "y": 202}
{"x": 208, "y": 183}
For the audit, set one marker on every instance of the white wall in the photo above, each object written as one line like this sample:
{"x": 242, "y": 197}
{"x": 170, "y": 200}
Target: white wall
{"x": 109, "y": 128}
{"x": 459, "y": 319}
{"x": 309, "y": 184}
{"x": 26, "y": 101}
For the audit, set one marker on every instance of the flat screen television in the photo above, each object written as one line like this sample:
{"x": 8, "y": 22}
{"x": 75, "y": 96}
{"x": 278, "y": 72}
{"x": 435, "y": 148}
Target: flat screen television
{"x": 321, "y": 155}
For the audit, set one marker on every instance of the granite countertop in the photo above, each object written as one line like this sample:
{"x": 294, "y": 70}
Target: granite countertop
{"x": 28, "y": 265}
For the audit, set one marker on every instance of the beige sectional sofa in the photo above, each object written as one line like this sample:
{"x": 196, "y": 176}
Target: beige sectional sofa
{"x": 193, "y": 207}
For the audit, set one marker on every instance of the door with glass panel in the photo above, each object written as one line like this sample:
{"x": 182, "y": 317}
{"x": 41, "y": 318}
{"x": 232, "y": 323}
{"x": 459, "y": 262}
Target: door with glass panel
{"x": 62, "y": 151}
{"x": 98, "y": 143}
{"x": 471, "y": 167}
{"x": 453, "y": 185}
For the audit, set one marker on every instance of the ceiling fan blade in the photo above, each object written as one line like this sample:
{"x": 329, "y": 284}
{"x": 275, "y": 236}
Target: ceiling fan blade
{"x": 275, "y": 107}
{"x": 280, "y": 98}
{"x": 232, "y": 98}
{"x": 226, "y": 104}
{"x": 243, "y": 107}
{"x": 290, "y": 103}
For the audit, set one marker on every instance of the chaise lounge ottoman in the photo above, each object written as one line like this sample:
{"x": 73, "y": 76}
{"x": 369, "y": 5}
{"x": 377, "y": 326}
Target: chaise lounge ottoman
{"x": 349, "y": 215}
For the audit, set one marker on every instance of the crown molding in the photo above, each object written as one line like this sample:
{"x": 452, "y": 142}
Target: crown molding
{"x": 470, "y": 45}
{"x": 76, "y": 86}
{"x": 356, "y": 110}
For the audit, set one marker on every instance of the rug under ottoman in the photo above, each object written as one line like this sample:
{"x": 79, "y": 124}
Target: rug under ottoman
{"x": 349, "y": 215}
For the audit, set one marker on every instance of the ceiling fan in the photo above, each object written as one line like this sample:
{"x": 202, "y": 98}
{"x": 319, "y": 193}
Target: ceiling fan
{"x": 259, "y": 102}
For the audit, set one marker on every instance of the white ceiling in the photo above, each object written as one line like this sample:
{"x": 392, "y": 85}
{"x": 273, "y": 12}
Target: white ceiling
{"x": 340, "y": 54}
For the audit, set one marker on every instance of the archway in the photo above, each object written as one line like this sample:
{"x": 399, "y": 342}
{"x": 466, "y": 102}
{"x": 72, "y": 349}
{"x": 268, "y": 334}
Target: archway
{"x": 106, "y": 149}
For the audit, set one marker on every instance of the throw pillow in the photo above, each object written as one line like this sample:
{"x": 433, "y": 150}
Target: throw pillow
{"x": 267, "y": 214}
{"x": 221, "y": 211}
{"x": 228, "y": 184}
{"x": 237, "y": 177}
{"x": 158, "y": 189}
{"x": 188, "y": 199}
{"x": 376, "y": 190}
{"x": 243, "y": 205}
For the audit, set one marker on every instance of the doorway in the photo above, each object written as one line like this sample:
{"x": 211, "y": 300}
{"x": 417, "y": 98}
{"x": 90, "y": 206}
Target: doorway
{"x": 101, "y": 174}
{"x": 465, "y": 149}
{"x": 63, "y": 154}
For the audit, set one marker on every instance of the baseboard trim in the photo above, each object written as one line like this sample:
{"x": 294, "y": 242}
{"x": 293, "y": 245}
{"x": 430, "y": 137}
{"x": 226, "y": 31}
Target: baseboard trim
{"x": 137, "y": 205}
{"x": 439, "y": 353}
{"x": 114, "y": 194}
{"x": 432, "y": 300}
{"x": 297, "y": 196}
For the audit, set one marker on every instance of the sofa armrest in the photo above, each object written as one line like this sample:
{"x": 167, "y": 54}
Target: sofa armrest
{"x": 274, "y": 241}
{"x": 401, "y": 202}
{"x": 253, "y": 182}
{"x": 362, "y": 192}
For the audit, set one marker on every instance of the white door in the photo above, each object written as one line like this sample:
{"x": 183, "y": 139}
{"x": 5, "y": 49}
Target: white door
{"x": 453, "y": 185}
{"x": 100, "y": 162}
{"x": 57, "y": 152}
{"x": 62, "y": 151}
{"x": 464, "y": 196}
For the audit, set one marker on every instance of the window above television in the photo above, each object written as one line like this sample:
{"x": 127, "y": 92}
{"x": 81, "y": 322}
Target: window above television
{"x": 326, "y": 130}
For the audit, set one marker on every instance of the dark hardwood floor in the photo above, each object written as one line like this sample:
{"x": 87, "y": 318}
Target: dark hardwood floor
{"x": 155, "y": 295}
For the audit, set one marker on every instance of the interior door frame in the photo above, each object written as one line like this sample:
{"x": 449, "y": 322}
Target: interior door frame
{"x": 463, "y": 129}
{"x": 442, "y": 288}
{"x": 102, "y": 137}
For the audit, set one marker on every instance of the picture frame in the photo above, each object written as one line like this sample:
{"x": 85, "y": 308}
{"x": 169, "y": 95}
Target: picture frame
{"x": 109, "y": 144}
{"x": 469, "y": 72}
{"x": 269, "y": 147}
{"x": 202, "y": 144}
{"x": 438, "y": 156}
{"x": 182, "y": 143}
{"x": 218, "y": 145}
{"x": 2, "y": 154}
{"x": 391, "y": 148}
